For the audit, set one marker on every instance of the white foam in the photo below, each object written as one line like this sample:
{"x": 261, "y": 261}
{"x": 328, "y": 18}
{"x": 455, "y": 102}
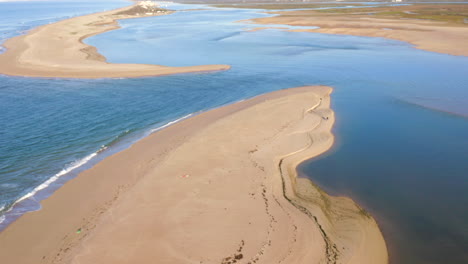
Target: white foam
{"x": 52, "y": 179}
{"x": 103, "y": 147}
{"x": 171, "y": 123}
{"x": 78, "y": 164}
{"x": 2, "y": 217}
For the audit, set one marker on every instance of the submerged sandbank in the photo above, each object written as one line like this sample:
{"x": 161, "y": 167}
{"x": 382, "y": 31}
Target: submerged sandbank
{"x": 436, "y": 36}
{"x": 217, "y": 187}
{"x": 57, "y": 50}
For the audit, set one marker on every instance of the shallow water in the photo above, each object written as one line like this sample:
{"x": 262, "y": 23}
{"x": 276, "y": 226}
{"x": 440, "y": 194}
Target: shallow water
{"x": 414, "y": 175}
{"x": 19, "y": 17}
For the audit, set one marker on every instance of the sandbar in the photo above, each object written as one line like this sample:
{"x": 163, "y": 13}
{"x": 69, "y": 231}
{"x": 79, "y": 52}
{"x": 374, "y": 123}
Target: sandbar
{"x": 218, "y": 187}
{"x": 57, "y": 50}
{"x": 428, "y": 27}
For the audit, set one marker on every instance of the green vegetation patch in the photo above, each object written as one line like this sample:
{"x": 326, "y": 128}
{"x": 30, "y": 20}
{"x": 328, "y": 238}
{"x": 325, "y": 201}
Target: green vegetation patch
{"x": 453, "y": 13}
{"x": 278, "y": 6}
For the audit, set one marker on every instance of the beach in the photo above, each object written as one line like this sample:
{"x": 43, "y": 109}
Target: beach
{"x": 57, "y": 49}
{"x": 436, "y": 33}
{"x": 137, "y": 174}
{"x": 219, "y": 187}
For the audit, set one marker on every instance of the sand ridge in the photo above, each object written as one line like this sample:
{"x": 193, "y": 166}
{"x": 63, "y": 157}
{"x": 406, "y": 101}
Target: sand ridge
{"x": 57, "y": 49}
{"x": 219, "y": 187}
{"x": 428, "y": 35}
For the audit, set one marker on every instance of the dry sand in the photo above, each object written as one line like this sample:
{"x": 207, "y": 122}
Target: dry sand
{"x": 57, "y": 50}
{"x": 428, "y": 35}
{"x": 219, "y": 187}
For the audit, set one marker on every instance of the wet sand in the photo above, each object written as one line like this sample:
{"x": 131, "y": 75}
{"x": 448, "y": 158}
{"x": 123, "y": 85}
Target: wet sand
{"x": 436, "y": 36}
{"x": 57, "y": 50}
{"x": 219, "y": 187}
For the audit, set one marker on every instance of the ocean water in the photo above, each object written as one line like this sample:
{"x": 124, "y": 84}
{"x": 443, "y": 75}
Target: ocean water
{"x": 401, "y": 112}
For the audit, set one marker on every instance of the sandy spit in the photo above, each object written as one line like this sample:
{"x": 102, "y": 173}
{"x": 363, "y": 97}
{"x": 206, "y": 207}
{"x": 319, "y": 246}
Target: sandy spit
{"x": 219, "y": 187}
{"x": 424, "y": 34}
{"x": 57, "y": 50}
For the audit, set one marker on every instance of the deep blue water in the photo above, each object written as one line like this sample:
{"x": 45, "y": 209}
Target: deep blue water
{"x": 404, "y": 163}
{"x": 410, "y": 173}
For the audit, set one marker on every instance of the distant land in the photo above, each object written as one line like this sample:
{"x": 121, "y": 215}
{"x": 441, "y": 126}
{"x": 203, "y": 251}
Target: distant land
{"x": 307, "y": 1}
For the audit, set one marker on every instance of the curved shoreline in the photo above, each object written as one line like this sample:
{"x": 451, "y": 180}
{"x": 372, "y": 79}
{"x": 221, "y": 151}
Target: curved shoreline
{"x": 57, "y": 50}
{"x": 225, "y": 178}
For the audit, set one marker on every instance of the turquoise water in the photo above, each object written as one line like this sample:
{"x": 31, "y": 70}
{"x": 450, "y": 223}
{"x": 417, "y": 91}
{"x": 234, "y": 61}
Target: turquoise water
{"x": 58, "y": 127}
